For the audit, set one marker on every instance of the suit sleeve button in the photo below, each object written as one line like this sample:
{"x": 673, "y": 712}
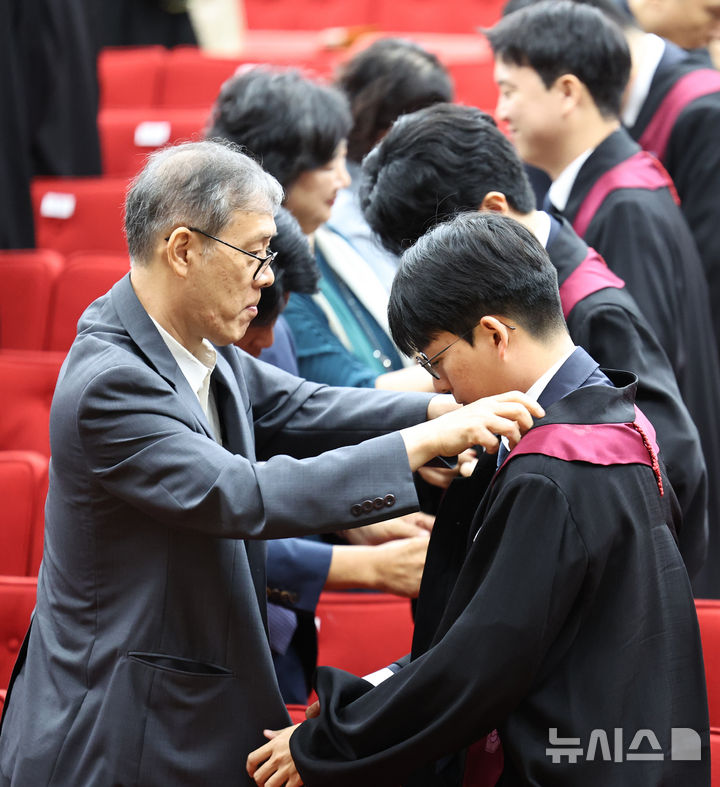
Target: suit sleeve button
{"x": 389, "y": 500}
{"x": 356, "y": 510}
{"x": 378, "y": 503}
{"x": 367, "y": 506}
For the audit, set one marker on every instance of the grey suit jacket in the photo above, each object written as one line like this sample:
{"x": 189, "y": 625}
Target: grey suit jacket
{"x": 147, "y": 661}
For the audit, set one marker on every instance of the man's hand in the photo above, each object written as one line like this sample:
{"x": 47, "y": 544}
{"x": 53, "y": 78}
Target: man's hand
{"x": 272, "y": 764}
{"x": 479, "y": 423}
{"x": 399, "y": 565}
{"x": 441, "y": 404}
{"x": 407, "y": 526}
{"x": 393, "y": 567}
{"x": 442, "y": 477}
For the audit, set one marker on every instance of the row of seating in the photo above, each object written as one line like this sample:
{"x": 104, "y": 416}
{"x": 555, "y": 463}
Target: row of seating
{"x": 451, "y": 16}
{"x": 43, "y": 293}
{"x": 187, "y": 78}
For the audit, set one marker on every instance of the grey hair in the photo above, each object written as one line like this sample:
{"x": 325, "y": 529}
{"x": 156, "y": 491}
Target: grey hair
{"x": 199, "y": 184}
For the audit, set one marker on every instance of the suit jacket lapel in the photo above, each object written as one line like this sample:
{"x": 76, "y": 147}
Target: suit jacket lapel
{"x": 142, "y": 331}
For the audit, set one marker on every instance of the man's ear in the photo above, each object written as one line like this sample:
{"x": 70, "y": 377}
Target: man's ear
{"x": 494, "y": 202}
{"x": 497, "y": 333}
{"x": 571, "y": 90}
{"x": 180, "y": 246}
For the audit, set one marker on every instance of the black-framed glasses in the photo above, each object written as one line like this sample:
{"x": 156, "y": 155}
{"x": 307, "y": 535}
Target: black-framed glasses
{"x": 263, "y": 262}
{"x": 427, "y": 363}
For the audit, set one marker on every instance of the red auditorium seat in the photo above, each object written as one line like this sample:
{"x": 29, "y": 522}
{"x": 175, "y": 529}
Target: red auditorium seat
{"x": 27, "y": 383}
{"x": 23, "y": 488}
{"x": 192, "y": 79}
{"x": 297, "y": 713}
{"x": 362, "y": 632}
{"x": 708, "y": 612}
{"x": 79, "y": 214}
{"x": 308, "y": 14}
{"x": 448, "y": 16}
{"x": 715, "y": 756}
{"x": 26, "y": 281}
{"x": 128, "y": 136}
{"x": 17, "y": 601}
{"x": 85, "y": 277}
{"x": 130, "y": 76}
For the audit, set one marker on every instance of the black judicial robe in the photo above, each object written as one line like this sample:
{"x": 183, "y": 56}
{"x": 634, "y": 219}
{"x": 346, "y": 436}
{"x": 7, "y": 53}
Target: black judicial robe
{"x": 680, "y": 122}
{"x": 603, "y": 318}
{"x": 554, "y": 598}
{"x": 644, "y": 238}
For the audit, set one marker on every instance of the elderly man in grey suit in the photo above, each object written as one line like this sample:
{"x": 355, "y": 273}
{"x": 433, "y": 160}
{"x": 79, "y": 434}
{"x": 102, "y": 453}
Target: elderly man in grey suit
{"x": 174, "y": 455}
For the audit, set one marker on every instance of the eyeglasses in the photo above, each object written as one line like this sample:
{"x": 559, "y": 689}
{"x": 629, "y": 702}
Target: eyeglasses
{"x": 427, "y": 363}
{"x": 263, "y": 262}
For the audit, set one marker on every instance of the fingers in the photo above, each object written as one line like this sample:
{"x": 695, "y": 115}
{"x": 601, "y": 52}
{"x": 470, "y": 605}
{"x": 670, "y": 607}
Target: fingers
{"x": 313, "y": 711}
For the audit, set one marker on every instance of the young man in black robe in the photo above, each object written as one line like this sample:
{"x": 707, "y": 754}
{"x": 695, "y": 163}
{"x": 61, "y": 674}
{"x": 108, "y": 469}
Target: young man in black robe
{"x": 554, "y": 605}
{"x": 456, "y": 159}
{"x": 562, "y": 68}
{"x": 672, "y": 109}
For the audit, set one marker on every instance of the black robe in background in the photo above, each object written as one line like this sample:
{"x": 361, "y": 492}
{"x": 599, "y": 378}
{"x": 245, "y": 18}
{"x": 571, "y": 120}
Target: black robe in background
{"x": 570, "y": 609}
{"x": 16, "y": 216}
{"x": 644, "y": 238}
{"x": 145, "y": 22}
{"x": 50, "y": 102}
{"x": 692, "y": 158}
{"x": 608, "y": 324}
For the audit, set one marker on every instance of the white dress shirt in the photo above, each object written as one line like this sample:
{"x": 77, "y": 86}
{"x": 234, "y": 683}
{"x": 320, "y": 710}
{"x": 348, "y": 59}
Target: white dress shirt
{"x": 197, "y": 371}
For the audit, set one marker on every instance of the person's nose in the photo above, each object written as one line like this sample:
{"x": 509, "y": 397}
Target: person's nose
{"x": 342, "y": 175}
{"x": 441, "y": 385}
{"x": 266, "y": 278}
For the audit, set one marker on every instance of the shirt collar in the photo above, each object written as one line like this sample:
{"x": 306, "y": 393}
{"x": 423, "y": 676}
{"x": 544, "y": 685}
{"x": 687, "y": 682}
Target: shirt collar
{"x": 196, "y": 370}
{"x": 652, "y": 48}
{"x": 561, "y": 187}
{"x": 542, "y": 227}
{"x": 540, "y": 384}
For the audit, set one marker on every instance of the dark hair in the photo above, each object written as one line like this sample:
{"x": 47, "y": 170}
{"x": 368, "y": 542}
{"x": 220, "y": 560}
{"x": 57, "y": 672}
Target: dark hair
{"x": 473, "y": 265}
{"x": 391, "y": 77}
{"x": 556, "y": 37}
{"x": 612, "y": 10}
{"x": 295, "y": 268}
{"x": 436, "y": 163}
{"x": 290, "y": 123}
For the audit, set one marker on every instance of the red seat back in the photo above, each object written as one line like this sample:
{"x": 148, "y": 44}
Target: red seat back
{"x": 130, "y": 76}
{"x": 27, "y": 384}
{"x": 26, "y": 282}
{"x": 715, "y": 757}
{"x": 128, "y": 136}
{"x": 85, "y": 277}
{"x": 17, "y": 601}
{"x": 79, "y": 214}
{"x": 362, "y": 632}
{"x": 708, "y": 612}
{"x": 23, "y": 488}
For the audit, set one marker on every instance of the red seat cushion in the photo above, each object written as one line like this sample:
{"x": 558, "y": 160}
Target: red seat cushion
{"x": 27, "y": 384}
{"x": 708, "y": 611}
{"x": 362, "y": 632}
{"x": 85, "y": 277}
{"x": 26, "y": 282}
{"x": 23, "y": 488}
{"x": 79, "y": 214}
